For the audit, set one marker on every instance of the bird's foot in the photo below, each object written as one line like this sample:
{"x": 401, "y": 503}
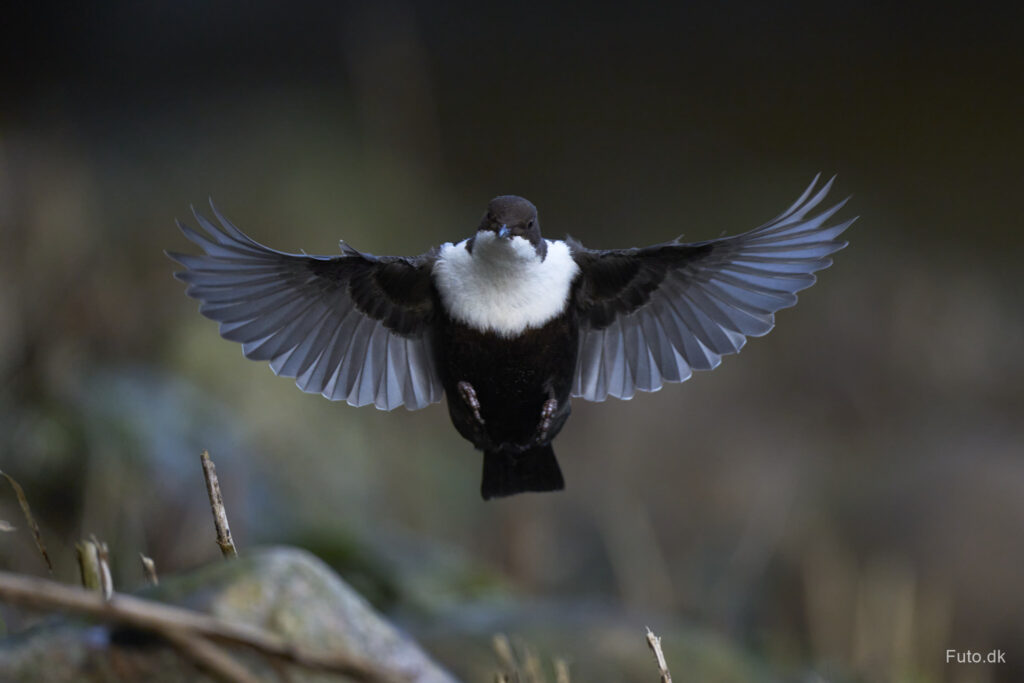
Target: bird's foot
{"x": 547, "y": 413}
{"x": 468, "y": 394}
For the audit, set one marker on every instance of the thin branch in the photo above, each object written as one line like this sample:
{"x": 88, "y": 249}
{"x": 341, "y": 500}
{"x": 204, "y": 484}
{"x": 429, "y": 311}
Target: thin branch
{"x": 654, "y": 642}
{"x": 220, "y": 515}
{"x": 532, "y": 669}
{"x": 106, "y": 579}
{"x": 148, "y": 615}
{"x": 94, "y": 566}
{"x": 89, "y": 565}
{"x": 149, "y": 569}
{"x": 27, "y": 511}
{"x": 503, "y": 648}
{"x": 210, "y": 657}
{"x": 561, "y": 670}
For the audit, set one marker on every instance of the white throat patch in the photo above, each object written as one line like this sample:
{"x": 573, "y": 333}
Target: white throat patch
{"x": 503, "y": 286}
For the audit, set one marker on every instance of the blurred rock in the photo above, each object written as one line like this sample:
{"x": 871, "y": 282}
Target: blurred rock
{"x": 286, "y": 591}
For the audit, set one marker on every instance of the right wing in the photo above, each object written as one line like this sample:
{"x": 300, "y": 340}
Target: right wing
{"x": 651, "y": 315}
{"x": 354, "y": 327}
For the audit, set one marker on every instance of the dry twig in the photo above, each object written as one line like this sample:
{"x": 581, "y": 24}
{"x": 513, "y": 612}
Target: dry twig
{"x": 160, "y": 618}
{"x": 94, "y": 566}
{"x": 210, "y": 657}
{"x": 521, "y": 664}
{"x": 531, "y": 666}
{"x": 106, "y": 579}
{"x": 149, "y": 569}
{"x": 220, "y": 515}
{"x": 561, "y": 670}
{"x": 88, "y": 565}
{"x": 654, "y": 642}
{"x": 27, "y": 511}
{"x": 503, "y": 648}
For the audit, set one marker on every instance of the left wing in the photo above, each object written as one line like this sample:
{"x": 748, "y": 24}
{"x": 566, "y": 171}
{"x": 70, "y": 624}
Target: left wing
{"x": 353, "y": 327}
{"x": 652, "y": 315}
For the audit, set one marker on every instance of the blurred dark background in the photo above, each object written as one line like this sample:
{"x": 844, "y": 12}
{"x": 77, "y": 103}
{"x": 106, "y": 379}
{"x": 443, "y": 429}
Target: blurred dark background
{"x": 844, "y": 496}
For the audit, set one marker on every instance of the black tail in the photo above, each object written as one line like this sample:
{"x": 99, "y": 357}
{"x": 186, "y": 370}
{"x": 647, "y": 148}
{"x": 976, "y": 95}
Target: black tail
{"x": 506, "y": 473}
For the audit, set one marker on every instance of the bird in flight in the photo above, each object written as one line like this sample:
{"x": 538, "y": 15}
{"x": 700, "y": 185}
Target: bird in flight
{"x": 507, "y": 325}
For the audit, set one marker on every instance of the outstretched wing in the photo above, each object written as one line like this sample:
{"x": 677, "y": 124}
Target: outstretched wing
{"x": 652, "y": 315}
{"x": 353, "y": 327}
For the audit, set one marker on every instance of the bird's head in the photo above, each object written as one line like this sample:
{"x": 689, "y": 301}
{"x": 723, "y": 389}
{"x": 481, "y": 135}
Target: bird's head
{"x": 510, "y": 216}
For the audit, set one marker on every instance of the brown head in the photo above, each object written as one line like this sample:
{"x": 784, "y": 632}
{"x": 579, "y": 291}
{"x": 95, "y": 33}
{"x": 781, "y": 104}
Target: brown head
{"x": 511, "y": 216}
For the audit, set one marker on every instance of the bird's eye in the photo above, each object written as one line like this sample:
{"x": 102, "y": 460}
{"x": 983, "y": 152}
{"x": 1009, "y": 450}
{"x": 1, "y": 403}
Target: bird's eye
{"x": 530, "y": 224}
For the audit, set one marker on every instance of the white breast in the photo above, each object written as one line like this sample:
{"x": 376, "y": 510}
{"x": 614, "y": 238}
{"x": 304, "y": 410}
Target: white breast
{"x": 502, "y": 286}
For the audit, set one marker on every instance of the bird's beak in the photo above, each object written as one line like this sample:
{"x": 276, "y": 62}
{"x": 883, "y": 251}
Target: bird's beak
{"x": 504, "y": 232}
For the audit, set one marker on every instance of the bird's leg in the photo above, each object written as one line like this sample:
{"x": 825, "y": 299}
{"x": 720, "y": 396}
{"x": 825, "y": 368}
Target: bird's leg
{"x": 547, "y": 413}
{"x": 468, "y": 394}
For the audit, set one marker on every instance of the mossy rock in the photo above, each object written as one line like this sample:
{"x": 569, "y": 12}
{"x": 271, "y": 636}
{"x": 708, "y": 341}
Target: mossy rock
{"x": 283, "y": 590}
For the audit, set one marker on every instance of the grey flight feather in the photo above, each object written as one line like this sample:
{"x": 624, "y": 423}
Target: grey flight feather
{"x": 353, "y": 327}
{"x": 652, "y": 315}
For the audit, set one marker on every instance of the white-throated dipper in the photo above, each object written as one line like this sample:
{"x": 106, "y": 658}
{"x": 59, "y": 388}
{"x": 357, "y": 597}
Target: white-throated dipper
{"x": 507, "y": 325}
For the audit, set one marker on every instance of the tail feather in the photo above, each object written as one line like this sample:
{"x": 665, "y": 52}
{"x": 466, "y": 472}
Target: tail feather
{"x": 506, "y": 473}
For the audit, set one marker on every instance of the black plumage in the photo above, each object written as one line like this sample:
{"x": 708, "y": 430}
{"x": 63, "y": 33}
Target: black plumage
{"x": 512, "y": 379}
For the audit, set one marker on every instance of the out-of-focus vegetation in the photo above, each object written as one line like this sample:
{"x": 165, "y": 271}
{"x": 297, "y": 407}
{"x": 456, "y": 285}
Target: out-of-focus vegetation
{"x": 845, "y": 493}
